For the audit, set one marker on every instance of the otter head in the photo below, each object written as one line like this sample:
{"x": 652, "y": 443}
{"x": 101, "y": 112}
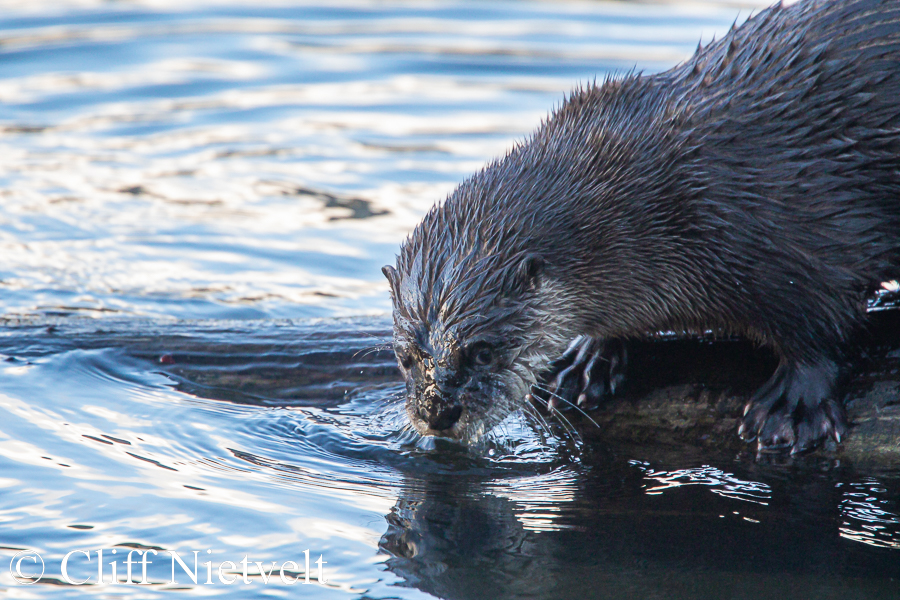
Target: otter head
{"x": 467, "y": 333}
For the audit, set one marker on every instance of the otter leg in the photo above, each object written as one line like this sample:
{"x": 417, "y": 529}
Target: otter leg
{"x": 795, "y": 409}
{"x": 587, "y": 370}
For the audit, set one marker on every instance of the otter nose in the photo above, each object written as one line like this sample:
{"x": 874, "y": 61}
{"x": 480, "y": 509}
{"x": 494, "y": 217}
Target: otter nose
{"x": 441, "y": 419}
{"x": 437, "y": 408}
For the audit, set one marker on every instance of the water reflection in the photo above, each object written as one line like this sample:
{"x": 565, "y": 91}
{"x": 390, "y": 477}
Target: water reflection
{"x": 453, "y": 537}
{"x": 718, "y": 482}
{"x": 864, "y": 507}
{"x": 538, "y": 500}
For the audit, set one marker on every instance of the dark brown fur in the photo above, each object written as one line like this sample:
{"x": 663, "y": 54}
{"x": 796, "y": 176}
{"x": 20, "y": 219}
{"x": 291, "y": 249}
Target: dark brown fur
{"x": 754, "y": 189}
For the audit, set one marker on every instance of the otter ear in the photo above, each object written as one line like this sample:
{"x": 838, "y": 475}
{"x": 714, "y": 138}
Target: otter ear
{"x": 528, "y": 275}
{"x": 393, "y": 277}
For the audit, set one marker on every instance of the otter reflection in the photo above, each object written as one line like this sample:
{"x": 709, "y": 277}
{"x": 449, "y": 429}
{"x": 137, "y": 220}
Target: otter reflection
{"x": 456, "y": 537}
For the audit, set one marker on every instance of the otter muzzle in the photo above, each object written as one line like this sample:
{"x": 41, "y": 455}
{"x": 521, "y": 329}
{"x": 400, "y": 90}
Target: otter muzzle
{"x": 435, "y": 410}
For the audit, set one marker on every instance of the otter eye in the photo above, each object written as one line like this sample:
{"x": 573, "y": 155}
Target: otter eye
{"x": 482, "y": 354}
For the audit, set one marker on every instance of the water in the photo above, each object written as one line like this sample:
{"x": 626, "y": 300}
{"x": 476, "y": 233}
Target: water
{"x": 197, "y": 198}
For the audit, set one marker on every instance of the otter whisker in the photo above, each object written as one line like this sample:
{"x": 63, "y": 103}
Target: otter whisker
{"x": 369, "y": 334}
{"x": 559, "y": 413}
{"x": 567, "y": 426}
{"x": 564, "y": 421}
{"x": 532, "y": 411}
{"x": 569, "y": 402}
{"x": 363, "y": 352}
{"x": 545, "y": 429}
{"x": 529, "y": 409}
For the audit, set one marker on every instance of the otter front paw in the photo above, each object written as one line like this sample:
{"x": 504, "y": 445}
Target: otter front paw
{"x": 587, "y": 370}
{"x": 795, "y": 409}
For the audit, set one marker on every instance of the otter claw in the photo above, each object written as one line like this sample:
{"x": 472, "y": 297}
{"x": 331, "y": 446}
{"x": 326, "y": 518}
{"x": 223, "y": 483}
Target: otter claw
{"x": 795, "y": 409}
{"x": 553, "y": 403}
{"x": 587, "y": 370}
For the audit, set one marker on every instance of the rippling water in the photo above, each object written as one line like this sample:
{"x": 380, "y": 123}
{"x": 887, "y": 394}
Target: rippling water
{"x": 195, "y": 202}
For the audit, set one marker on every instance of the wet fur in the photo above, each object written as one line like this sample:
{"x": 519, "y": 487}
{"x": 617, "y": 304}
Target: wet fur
{"x": 754, "y": 189}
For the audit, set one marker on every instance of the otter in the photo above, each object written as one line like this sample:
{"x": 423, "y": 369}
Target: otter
{"x": 752, "y": 190}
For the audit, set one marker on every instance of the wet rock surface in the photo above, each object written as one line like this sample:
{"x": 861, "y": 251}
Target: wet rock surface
{"x": 693, "y": 391}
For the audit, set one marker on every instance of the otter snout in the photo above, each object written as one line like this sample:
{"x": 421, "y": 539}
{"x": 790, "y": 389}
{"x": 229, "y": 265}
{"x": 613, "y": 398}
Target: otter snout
{"x": 438, "y": 409}
{"x": 443, "y": 419}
